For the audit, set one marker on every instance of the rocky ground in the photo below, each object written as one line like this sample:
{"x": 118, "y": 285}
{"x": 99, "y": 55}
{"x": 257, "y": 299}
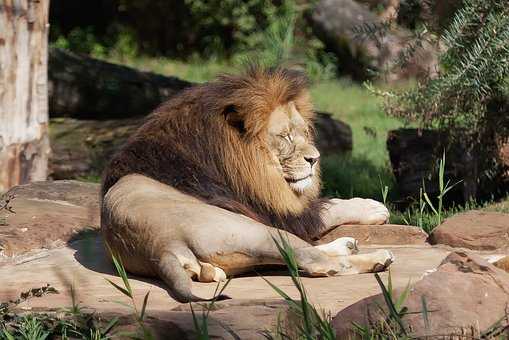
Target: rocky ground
{"x": 51, "y": 237}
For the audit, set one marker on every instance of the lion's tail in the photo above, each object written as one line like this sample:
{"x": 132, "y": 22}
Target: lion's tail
{"x": 178, "y": 281}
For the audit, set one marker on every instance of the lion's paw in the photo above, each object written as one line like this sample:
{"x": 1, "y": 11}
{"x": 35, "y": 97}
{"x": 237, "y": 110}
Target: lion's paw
{"x": 383, "y": 259}
{"x": 342, "y": 246}
{"x": 219, "y": 275}
{"x": 361, "y": 211}
{"x": 210, "y": 273}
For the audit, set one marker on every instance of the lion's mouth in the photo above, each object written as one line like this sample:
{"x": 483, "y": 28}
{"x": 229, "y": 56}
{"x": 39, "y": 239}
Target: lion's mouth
{"x": 299, "y": 185}
{"x": 295, "y": 180}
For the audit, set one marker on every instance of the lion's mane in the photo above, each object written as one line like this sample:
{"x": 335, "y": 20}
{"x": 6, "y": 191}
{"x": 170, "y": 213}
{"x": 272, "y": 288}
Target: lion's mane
{"x": 208, "y": 142}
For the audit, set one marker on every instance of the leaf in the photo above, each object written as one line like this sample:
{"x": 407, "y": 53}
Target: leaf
{"x": 403, "y": 296}
{"x": 144, "y": 306}
{"x": 425, "y": 314}
{"x": 8, "y": 335}
{"x": 287, "y": 298}
{"x": 392, "y": 310}
{"x": 430, "y": 204}
{"x": 110, "y": 325}
{"x": 123, "y": 290}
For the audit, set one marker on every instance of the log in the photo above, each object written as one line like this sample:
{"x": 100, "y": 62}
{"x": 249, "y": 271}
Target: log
{"x": 24, "y": 142}
{"x": 87, "y": 88}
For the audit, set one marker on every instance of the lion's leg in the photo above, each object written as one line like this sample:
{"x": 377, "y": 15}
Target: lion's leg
{"x": 353, "y": 211}
{"x": 376, "y": 261}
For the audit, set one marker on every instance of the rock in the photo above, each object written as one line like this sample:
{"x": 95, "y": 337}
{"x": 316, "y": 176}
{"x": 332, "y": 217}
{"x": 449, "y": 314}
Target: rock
{"x": 465, "y": 293}
{"x": 339, "y": 24}
{"x": 88, "y": 88}
{"x": 474, "y": 229}
{"x": 85, "y": 263}
{"x": 387, "y": 234}
{"x": 384, "y": 9}
{"x": 81, "y": 148}
{"x": 47, "y": 214}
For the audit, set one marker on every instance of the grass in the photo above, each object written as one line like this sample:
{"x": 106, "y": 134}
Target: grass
{"x": 69, "y": 323}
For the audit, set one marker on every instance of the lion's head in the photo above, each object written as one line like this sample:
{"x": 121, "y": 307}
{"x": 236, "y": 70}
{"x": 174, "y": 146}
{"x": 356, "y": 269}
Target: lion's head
{"x": 242, "y": 142}
{"x": 290, "y": 143}
{"x": 266, "y": 118}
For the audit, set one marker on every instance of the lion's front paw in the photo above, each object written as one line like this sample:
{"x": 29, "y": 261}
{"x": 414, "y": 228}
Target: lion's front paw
{"x": 359, "y": 211}
{"x": 383, "y": 259}
{"x": 342, "y": 246}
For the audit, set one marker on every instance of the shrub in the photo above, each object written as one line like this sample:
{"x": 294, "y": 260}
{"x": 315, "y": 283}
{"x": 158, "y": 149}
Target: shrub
{"x": 189, "y": 28}
{"x": 469, "y": 97}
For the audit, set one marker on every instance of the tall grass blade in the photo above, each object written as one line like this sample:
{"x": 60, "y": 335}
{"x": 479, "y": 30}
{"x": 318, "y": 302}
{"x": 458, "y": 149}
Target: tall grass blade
{"x": 426, "y": 197}
{"x": 402, "y": 298}
{"x": 121, "y": 289}
{"x": 425, "y": 314}
{"x": 144, "y": 306}
{"x": 390, "y": 305}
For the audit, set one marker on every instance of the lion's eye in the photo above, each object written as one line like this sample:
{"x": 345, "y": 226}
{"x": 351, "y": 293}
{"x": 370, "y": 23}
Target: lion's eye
{"x": 288, "y": 137}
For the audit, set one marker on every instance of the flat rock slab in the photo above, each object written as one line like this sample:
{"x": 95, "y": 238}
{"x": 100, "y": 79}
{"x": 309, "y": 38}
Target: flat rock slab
{"x": 478, "y": 230}
{"x": 47, "y": 214}
{"x": 464, "y": 296}
{"x": 84, "y": 266}
{"x": 387, "y": 234}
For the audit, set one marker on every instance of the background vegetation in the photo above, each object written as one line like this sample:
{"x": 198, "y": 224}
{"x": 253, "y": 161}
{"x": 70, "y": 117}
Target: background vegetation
{"x": 195, "y": 40}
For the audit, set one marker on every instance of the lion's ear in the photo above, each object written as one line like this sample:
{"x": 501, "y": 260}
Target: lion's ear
{"x": 234, "y": 118}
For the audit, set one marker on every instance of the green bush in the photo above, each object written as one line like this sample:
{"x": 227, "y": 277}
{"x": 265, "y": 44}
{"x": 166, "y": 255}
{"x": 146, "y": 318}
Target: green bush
{"x": 214, "y": 29}
{"x": 468, "y": 99}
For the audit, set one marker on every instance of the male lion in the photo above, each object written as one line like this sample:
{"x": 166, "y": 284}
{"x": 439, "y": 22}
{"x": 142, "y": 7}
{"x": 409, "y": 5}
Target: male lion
{"x": 203, "y": 186}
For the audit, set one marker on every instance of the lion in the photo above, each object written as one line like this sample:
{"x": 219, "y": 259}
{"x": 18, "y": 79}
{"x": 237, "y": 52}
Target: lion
{"x": 213, "y": 175}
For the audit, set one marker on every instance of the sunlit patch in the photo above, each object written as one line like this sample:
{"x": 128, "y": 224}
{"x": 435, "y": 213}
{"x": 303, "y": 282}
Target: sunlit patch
{"x": 301, "y": 185}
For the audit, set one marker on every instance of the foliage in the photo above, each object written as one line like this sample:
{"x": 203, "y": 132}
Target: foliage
{"x": 75, "y": 322}
{"x": 473, "y": 71}
{"x": 211, "y": 30}
{"x": 443, "y": 188}
{"x": 310, "y": 323}
{"x": 201, "y": 326}
{"x": 469, "y": 96}
{"x": 146, "y": 334}
{"x": 388, "y": 322}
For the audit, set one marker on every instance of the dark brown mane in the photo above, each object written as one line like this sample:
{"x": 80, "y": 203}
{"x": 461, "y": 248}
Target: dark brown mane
{"x": 208, "y": 142}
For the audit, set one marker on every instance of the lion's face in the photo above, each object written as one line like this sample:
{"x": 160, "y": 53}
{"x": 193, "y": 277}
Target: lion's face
{"x": 291, "y": 145}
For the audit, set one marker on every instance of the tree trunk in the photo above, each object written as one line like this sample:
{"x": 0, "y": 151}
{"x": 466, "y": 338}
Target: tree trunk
{"x": 24, "y": 143}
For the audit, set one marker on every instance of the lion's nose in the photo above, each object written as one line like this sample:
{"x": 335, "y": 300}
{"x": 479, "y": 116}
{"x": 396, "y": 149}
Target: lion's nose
{"x": 311, "y": 160}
